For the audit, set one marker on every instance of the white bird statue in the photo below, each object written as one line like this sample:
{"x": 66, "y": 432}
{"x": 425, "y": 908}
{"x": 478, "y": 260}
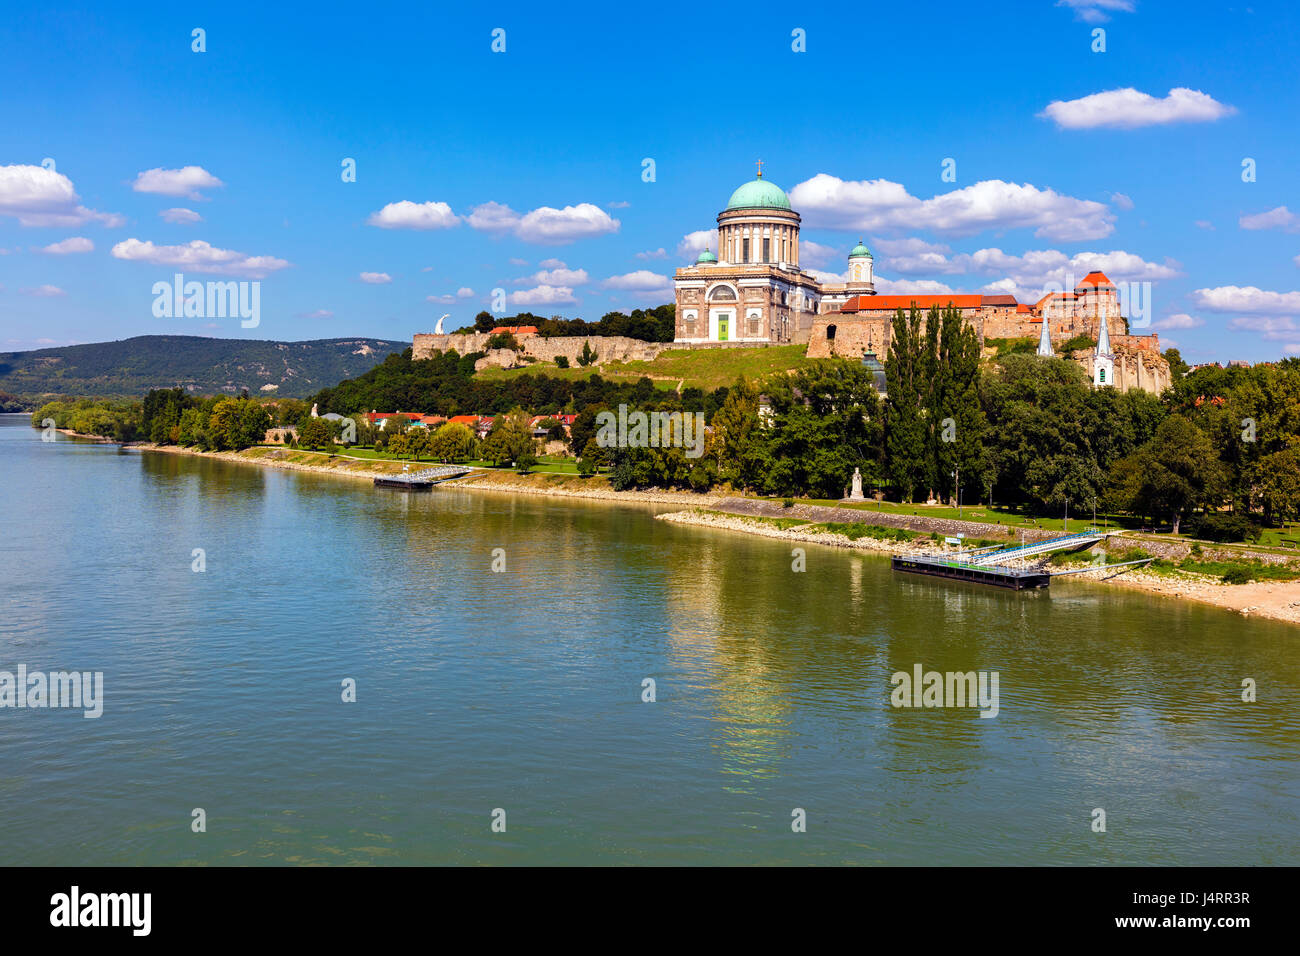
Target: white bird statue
{"x": 438, "y": 330}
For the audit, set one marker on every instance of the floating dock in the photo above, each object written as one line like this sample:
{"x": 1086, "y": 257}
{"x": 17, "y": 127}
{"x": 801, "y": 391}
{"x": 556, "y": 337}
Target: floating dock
{"x": 404, "y": 482}
{"x": 421, "y": 480}
{"x": 1000, "y": 567}
{"x": 1017, "y": 579}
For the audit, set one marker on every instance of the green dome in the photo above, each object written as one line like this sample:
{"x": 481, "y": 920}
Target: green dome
{"x": 706, "y": 256}
{"x": 860, "y": 252}
{"x": 759, "y": 194}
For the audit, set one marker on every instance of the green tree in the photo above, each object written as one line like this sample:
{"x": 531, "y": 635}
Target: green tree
{"x": 510, "y": 438}
{"x": 418, "y": 442}
{"x": 452, "y": 442}
{"x": 1174, "y": 473}
{"x": 906, "y": 387}
{"x": 315, "y": 433}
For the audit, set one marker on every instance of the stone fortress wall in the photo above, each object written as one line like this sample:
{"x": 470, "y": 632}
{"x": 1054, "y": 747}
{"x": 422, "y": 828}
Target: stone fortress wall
{"x": 608, "y": 348}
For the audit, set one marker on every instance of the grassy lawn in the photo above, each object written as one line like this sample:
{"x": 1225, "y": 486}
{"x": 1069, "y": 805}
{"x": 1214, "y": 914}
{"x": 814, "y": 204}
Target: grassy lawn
{"x": 703, "y": 368}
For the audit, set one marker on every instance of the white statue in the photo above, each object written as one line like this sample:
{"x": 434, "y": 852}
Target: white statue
{"x": 856, "y": 493}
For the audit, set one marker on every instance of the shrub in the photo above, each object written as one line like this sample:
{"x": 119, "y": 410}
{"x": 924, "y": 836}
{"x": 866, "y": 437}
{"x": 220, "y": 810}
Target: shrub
{"x": 1237, "y": 574}
{"x": 561, "y": 361}
{"x": 1223, "y": 527}
{"x": 787, "y": 503}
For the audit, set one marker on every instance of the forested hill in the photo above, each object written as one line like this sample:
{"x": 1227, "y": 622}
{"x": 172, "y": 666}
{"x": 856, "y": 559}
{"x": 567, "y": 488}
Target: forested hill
{"x": 200, "y": 365}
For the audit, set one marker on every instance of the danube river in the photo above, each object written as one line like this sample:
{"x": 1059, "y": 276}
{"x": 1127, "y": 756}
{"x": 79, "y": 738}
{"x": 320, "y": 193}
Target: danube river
{"x": 521, "y": 690}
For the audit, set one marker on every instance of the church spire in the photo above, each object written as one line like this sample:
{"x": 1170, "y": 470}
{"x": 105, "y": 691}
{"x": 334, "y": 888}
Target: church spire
{"x": 1103, "y": 338}
{"x": 1045, "y": 340}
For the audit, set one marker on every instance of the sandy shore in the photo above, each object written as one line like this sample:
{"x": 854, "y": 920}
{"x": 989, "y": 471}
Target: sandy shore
{"x": 1277, "y": 600}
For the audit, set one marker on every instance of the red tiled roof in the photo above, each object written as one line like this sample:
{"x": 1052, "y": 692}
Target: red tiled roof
{"x": 464, "y": 419}
{"x": 516, "y": 329}
{"x": 861, "y": 303}
{"x": 1095, "y": 278}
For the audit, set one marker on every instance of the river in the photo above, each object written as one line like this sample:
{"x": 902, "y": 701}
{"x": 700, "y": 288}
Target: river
{"x": 521, "y": 690}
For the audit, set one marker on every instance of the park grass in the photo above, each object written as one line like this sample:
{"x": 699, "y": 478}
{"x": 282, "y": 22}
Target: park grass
{"x": 709, "y": 369}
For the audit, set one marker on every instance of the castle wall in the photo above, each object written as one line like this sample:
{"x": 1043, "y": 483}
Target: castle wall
{"x": 608, "y": 348}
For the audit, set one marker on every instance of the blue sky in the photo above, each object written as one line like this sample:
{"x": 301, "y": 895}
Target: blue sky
{"x": 1065, "y": 159}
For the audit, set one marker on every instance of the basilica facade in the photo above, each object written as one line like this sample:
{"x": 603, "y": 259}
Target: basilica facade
{"x": 752, "y": 290}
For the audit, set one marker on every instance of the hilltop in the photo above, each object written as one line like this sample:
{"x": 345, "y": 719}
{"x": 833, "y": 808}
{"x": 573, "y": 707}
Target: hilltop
{"x": 130, "y": 367}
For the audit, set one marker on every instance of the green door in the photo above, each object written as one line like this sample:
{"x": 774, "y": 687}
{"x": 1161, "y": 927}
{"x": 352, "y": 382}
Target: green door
{"x": 723, "y": 321}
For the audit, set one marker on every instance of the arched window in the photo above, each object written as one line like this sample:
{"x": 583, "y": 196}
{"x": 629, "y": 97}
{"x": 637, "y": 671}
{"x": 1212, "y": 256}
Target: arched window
{"x": 722, "y": 293}
{"x": 1102, "y": 373}
{"x": 830, "y": 333}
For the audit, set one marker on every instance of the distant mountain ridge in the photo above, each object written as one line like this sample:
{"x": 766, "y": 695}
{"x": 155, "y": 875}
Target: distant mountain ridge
{"x": 201, "y": 365}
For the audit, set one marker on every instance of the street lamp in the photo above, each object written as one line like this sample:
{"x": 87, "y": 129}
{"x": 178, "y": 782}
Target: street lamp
{"x": 1065, "y": 526}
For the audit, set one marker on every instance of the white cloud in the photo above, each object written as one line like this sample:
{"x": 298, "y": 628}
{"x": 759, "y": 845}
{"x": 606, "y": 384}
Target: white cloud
{"x": 910, "y": 287}
{"x": 1231, "y": 298}
{"x": 543, "y": 295}
{"x": 179, "y": 215}
{"x": 817, "y": 256}
{"x": 545, "y": 225}
{"x": 1296, "y": 260}
{"x": 693, "y": 243}
{"x": 556, "y": 226}
{"x": 375, "y": 278}
{"x": 318, "y": 314}
{"x": 1279, "y": 218}
{"x": 642, "y": 280}
{"x": 186, "y": 181}
{"x": 493, "y": 217}
{"x": 199, "y": 256}
{"x": 518, "y": 262}
{"x": 1028, "y": 274}
{"x": 410, "y": 215}
{"x": 827, "y": 201}
{"x": 41, "y": 197}
{"x": 1204, "y": 224}
{"x": 1273, "y": 328}
{"x": 1129, "y": 109}
{"x": 1179, "y": 320}
{"x": 464, "y": 292}
{"x": 560, "y": 276}
{"x": 1292, "y": 348}
{"x": 1096, "y": 11}
{"x": 659, "y": 253}
{"x": 1121, "y": 201}
{"x": 69, "y": 246}
{"x": 618, "y": 204}
{"x": 552, "y": 264}
{"x": 43, "y": 292}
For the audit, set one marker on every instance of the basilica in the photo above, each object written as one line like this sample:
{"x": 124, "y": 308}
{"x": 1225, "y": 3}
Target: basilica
{"x": 753, "y": 292}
